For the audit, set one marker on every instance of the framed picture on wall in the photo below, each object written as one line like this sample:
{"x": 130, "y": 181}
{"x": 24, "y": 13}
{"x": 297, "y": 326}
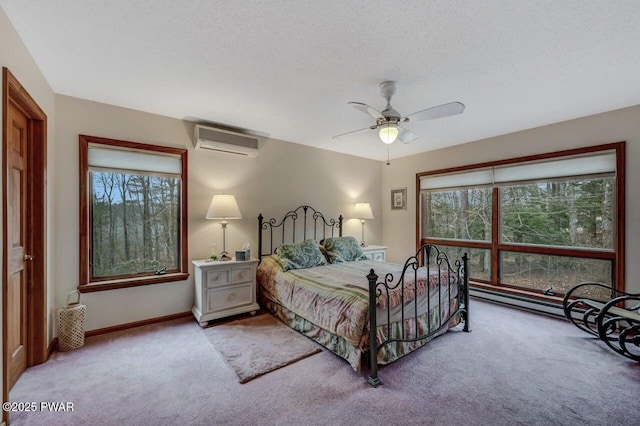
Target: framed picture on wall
{"x": 399, "y": 199}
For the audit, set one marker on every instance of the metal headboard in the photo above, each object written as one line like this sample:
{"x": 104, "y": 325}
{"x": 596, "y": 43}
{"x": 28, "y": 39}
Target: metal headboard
{"x": 313, "y": 225}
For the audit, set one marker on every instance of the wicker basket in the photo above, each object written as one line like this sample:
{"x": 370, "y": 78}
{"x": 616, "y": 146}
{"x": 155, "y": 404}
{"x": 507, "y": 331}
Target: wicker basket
{"x": 71, "y": 320}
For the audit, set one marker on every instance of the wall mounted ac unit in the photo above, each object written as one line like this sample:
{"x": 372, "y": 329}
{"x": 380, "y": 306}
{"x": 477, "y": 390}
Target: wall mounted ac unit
{"x": 219, "y": 140}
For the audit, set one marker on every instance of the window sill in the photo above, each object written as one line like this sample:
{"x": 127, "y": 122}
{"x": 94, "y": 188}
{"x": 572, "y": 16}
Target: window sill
{"x": 131, "y": 282}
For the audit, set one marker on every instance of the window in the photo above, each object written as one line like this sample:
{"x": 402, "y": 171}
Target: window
{"x": 133, "y": 204}
{"x": 537, "y": 225}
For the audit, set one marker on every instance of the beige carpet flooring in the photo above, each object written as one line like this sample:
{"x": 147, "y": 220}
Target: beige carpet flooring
{"x": 514, "y": 368}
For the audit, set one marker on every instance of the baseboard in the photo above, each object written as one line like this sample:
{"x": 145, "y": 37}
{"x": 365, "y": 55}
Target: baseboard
{"x": 533, "y": 305}
{"x": 52, "y": 347}
{"x": 134, "y": 324}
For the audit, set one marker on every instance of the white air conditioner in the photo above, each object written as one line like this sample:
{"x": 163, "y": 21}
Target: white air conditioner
{"x": 219, "y": 140}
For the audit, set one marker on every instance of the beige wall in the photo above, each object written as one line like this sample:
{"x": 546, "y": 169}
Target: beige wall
{"x": 615, "y": 126}
{"x": 282, "y": 177}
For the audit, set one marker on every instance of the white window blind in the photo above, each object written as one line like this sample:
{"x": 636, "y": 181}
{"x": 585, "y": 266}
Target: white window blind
{"x": 134, "y": 160}
{"x": 585, "y": 165}
{"x": 604, "y": 162}
{"x": 456, "y": 180}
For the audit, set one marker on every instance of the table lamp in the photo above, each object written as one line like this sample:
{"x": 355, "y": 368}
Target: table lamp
{"x": 224, "y": 206}
{"x": 362, "y": 211}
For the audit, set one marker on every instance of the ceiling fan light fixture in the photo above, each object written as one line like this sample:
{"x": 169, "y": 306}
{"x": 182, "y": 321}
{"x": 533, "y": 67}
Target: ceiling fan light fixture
{"x": 388, "y": 133}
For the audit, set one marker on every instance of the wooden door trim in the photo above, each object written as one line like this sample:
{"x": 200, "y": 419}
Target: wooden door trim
{"x": 13, "y": 92}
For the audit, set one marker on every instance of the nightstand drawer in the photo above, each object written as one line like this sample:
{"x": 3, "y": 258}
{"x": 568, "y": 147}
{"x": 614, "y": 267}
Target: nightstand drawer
{"x": 218, "y": 277}
{"x": 241, "y": 275}
{"x": 376, "y": 255}
{"x": 229, "y": 297}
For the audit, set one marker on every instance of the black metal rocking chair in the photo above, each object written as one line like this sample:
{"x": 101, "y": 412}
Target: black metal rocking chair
{"x": 615, "y": 321}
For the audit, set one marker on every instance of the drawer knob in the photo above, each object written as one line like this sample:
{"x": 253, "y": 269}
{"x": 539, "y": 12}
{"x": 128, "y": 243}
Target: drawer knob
{"x": 242, "y": 274}
{"x": 231, "y": 297}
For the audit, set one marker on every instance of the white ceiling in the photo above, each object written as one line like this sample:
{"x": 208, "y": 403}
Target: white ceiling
{"x": 287, "y": 68}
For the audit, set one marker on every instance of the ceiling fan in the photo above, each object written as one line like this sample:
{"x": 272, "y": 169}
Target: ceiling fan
{"x": 387, "y": 121}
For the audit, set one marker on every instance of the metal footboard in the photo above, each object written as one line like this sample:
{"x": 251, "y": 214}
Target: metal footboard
{"x": 452, "y": 275}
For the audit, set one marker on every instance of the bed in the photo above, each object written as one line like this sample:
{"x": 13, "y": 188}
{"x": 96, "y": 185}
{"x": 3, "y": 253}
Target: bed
{"x": 318, "y": 282}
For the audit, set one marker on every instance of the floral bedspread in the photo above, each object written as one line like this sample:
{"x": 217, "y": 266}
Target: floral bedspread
{"x": 335, "y": 297}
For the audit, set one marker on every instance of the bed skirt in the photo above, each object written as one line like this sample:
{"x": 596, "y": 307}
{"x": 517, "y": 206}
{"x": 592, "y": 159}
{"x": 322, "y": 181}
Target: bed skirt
{"x": 354, "y": 355}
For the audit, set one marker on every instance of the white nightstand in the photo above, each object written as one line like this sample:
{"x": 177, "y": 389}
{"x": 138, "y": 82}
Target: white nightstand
{"x": 224, "y": 289}
{"x": 375, "y": 252}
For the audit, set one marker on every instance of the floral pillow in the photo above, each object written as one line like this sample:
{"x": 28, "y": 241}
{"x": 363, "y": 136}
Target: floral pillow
{"x": 305, "y": 254}
{"x": 343, "y": 249}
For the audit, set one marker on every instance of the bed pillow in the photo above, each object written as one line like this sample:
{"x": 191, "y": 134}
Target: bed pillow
{"x": 343, "y": 249}
{"x": 305, "y": 254}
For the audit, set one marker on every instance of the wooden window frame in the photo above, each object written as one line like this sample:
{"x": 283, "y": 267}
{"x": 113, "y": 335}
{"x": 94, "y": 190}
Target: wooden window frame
{"x": 86, "y": 284}
{"x": 617, "y": 255}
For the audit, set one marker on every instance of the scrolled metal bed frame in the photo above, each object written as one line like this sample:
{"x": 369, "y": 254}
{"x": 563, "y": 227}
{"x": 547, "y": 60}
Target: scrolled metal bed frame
{"x": 304, "y": 213}
{"x": 456, "y": 274}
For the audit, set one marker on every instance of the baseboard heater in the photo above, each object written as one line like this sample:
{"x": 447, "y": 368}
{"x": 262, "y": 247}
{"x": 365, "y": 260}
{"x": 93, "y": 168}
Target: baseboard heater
{"x": 535, "y": 305}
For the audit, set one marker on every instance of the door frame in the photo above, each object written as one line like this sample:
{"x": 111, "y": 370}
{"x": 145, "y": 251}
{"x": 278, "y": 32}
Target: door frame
{"x": 35, "y": 242}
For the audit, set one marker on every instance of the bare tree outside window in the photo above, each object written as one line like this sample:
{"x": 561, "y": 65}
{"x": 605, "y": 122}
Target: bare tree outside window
{"x": 135, "y": 218}
{"x": 570, "y": 213}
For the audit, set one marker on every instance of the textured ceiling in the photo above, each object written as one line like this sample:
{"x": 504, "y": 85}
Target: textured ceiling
{"x": 287, "y": 68}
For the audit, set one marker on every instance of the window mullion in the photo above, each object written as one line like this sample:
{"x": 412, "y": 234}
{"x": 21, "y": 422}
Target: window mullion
{"x": 495, "y": 236}
{"x": 559, "y": 251}
{"x": 457, "y": 243}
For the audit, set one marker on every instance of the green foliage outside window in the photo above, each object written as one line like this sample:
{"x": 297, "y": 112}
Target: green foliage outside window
{"x": 570, "y": 213}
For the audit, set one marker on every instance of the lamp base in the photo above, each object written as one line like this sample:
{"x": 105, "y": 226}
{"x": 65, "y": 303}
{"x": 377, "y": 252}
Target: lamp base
{"x": 224, "y": 256}
{"x": 362, "y": 243}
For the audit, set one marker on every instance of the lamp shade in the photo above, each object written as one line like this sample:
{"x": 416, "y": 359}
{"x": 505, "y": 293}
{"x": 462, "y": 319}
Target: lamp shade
{"x": 362, "y": 211}
{"x": 223, "y": 206}
{"x": 388, "y": 133}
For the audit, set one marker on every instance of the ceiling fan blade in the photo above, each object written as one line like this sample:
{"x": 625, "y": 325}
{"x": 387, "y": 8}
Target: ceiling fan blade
{"x": 353, "y": 131}
{"x": 367, "y": 109}
{"x": 406, "y": 136}
{"x": 440, "y": 111}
